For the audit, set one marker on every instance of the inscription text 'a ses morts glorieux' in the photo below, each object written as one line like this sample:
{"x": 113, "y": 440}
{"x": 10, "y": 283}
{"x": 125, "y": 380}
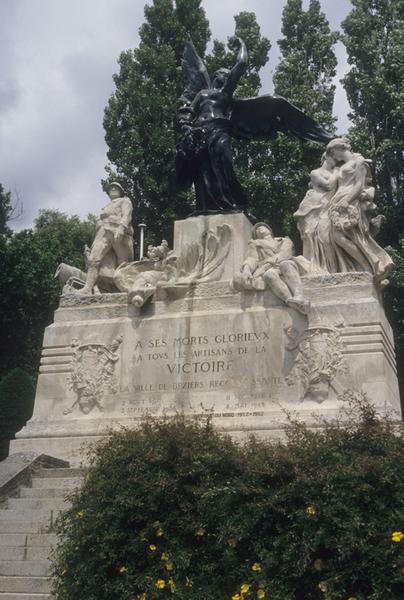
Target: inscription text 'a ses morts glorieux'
{"x": 199, "y": 362}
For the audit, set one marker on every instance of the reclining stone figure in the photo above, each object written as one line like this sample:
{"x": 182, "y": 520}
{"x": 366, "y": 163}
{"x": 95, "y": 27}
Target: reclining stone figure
{"x": 271, "y": 264}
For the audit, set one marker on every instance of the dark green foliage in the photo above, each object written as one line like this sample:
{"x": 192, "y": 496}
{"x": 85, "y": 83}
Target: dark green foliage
{"x": 303, "y": 76}
{"x": 6, "y": 211}
{"x": 28, "y": 261}
{"x": 176, "y": 502}
{"x": 374, "y": 39}
{"x": 17, "y": 393}
{"x": 308, "y": 64}
{"x": 140, "y": 119}
{"x": 394, "y": 305}
{"x": 247, "y": 28}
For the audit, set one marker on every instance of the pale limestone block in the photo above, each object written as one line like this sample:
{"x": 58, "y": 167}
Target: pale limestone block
{"x": 191, "y": 232}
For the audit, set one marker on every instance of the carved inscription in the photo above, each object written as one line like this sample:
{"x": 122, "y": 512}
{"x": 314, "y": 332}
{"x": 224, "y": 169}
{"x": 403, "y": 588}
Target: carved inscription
{"x": 227, "y": 366}
{"x": 200, "y": 362}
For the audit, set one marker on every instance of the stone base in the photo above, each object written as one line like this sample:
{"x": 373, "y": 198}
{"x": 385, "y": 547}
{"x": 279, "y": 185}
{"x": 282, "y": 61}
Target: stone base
{"x": 221, "y": 239}
{"x": 241, "y": 358}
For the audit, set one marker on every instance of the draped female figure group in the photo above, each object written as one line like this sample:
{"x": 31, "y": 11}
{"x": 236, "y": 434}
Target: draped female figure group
{"x": 335, "y": 218}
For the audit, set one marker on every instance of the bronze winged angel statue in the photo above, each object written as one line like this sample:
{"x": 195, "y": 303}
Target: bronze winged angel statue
{"x": 210, "y": 116}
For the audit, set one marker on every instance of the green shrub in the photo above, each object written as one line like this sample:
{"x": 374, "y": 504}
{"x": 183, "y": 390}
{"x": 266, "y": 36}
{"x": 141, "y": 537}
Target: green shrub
{"x": 17, "y": 394}
{"x": 175, "y": 510}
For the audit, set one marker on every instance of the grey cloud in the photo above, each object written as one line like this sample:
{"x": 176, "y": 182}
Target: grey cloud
{"x": 9, "y": 94}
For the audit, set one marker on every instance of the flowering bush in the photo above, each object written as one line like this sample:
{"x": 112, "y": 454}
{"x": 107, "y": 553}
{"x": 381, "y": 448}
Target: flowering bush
{"x": 175, "y": 510}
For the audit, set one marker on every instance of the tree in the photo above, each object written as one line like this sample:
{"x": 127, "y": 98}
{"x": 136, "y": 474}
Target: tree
{"x": 6, "y": 210}
{"x": 247, "y": 28}
{"x": 374, "y": 39}
{"x": 304, "y": 76}
{"x": 17, "y": 393}
{"x": 28, "y": 261}
{"x": 308, "y": 64}
{"x": 9, "y": 210}
{"x": 140, "y": 117}
{"x": 394, "y": 306}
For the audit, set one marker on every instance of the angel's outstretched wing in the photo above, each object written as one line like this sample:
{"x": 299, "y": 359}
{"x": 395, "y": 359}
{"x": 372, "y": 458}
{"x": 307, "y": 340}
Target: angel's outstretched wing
{"x": 194, "y": 73}
{"x": 264, "y": 116}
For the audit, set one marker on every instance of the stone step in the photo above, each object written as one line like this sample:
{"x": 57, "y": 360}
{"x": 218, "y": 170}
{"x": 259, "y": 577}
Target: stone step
{"x": 64, "y": 472}
{"x": 28, "y": 585}
{"x": 25, "y": 527}
{"x": 25, "y": 568}
{"x": 37, "y": 504}
{"x": 28, "y": 514}
{"x": 23, "y": 596}
{"x": 56, "y": 482}
{"x": 25, "y": 552}
{"x": 25, "y": 541}
{"x": 28, "y": 539}
{"x": 27, "y": 492}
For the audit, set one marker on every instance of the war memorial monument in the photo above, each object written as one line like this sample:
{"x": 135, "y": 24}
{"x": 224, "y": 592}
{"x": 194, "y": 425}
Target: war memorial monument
{"x": 229, "y": 323}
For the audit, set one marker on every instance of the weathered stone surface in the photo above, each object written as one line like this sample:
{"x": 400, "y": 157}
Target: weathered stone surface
{"x": 336, "y": 217}
{"x": 271, "y": 264}
{"x": 201, "y": 348}
{"x": 240, "y": 357}
{"x": 112, "y": 246}
{"x": 26, "y": 585}
{"x": 25, "y": 523}
{"x": 18, "y": 468}
{"x": 227, "y": 254}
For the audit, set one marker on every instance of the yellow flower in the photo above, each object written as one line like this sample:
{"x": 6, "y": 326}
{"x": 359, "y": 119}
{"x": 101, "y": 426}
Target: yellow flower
{"x": 169, "y": 566}
{"x": 123, "y": 570}
{"x": 256, "y": 568}
{"x": 200, "y": 532}
{"x": 318, "y": 564}
{"x": 172, "y": 585}
{"x": 152, "y": 548}
{"x": 80, "y": 514}
{"x": 236, "y": 597}
{"x": 311, "y": 511}
{"x": 160, "y": 584}
{"x": 244, "y": 588}
{"x": 142, "y": 596}
{"x": 261, "y": 594}
{"x": 322, "y": 586}
{"x": 159, "y": 532}
{"x": 164, "y": 556}
{"x": 397, "y": 536}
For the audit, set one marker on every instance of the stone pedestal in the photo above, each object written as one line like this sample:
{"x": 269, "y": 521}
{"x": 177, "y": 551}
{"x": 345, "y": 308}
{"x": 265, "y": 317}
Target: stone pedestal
{"x": 192, "y": 231}
{"x": 202, "y": 349}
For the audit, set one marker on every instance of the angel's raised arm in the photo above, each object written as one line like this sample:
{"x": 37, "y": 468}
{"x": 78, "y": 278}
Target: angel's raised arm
{"x": 238, "y": 70}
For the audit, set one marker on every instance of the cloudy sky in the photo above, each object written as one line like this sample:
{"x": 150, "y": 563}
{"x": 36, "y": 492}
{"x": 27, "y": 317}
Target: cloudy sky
{"x": 58, "y": 59}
